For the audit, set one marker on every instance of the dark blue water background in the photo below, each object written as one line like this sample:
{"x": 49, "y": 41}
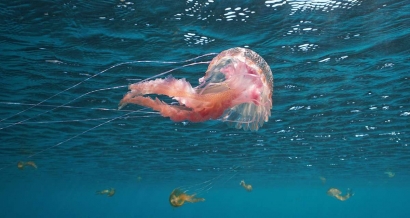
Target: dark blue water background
{"x": 341, "y": 109}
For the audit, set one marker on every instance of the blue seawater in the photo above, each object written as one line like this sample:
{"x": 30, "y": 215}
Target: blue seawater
{"x": 340, "y": 116}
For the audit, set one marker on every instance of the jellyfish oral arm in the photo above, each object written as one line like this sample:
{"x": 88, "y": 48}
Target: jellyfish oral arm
{"x": 193, "y": 199}
{"x": 174, "y": 112}
{"x": 168, "y": 86}
{"x": 193, "y": 106}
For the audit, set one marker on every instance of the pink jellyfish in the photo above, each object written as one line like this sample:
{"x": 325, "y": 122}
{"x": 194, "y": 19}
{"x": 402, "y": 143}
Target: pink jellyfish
{"x": 237, "y": 89}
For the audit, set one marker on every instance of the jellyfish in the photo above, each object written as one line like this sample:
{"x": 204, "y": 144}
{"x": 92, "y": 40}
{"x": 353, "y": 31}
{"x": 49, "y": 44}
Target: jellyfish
{"x": 139, "y": 178}
{"x": 177, "y": 198}
{"x": 248, "y": 187}
{"x": 22, "y": 164}
{"x": 109, "y": 192}
{"x": 336, "y": 193}
{"x": 333, "y": 192}
{"x": 323, "y": 179}
{"x": 390, "y": 174}
{"x": 236, "y": 89}
{"x": 179, "y": 195}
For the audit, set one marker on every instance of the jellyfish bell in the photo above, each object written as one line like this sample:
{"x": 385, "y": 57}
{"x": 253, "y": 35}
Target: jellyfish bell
{"x": 236, "y": 89}
{"x": 20, "y": 165}
{"x": 175, "y": 198}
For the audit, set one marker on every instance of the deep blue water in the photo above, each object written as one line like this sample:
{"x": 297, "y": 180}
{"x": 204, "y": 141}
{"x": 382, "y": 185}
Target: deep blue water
{"x": 341, "y": 109}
